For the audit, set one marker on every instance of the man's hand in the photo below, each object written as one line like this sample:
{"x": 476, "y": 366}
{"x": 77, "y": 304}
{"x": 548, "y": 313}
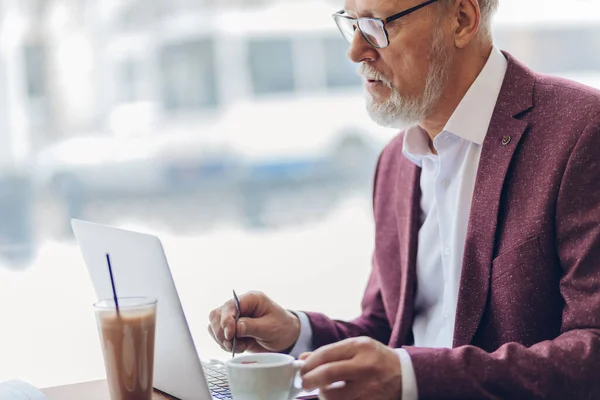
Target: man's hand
{"x": 263, "y": 326}
{"x": 369, "y": 369}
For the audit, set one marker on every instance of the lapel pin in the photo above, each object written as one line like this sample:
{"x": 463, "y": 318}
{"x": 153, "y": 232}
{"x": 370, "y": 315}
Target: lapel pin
{"x": 506, "y": 140}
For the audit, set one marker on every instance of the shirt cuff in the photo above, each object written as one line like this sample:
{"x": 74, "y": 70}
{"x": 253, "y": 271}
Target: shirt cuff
{"x": 304, "y": 342}
{"x": 409, "y": 379}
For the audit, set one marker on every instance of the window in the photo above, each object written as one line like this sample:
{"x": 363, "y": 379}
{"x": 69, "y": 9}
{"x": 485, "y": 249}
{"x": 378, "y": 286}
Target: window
{"x": 271, "y": 63}
{"x": 129, "y": 79}
{"x": 35, "y": 70}
{"x": 188, "y": 75}
{"x": 256, "y": 173}
{"x": 35, "y": 56}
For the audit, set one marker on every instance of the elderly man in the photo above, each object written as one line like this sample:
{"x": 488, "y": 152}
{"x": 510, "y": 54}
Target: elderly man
{"x": 486, "y": 271}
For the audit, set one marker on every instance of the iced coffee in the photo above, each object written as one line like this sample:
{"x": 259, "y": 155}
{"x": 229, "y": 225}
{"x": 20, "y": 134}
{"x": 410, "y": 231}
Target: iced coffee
{"x": 127, "y": 339}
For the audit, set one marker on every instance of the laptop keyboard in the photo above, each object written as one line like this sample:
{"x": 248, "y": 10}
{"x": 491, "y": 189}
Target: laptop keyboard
{"x": 216, "y": 376}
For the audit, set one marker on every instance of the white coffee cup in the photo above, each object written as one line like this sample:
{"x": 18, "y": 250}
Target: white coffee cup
{"x": 264, "y": 376}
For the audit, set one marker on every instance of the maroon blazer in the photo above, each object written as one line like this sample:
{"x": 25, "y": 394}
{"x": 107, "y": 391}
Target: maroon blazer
{"x": 528, "y": 318}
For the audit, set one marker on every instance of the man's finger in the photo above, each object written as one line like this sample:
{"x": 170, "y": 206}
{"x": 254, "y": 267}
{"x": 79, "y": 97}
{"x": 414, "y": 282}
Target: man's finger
{"x": 257, "y": 328}
{"x": 304, "y": 356}
{"x": 227, "y": 322}
{"x": 339, "y": 351}
{"x": 241, "y": 345}
{"x": 217, "y": 331}
{"x": 329, "y": 373}
{"x": 220, "y": 343}
{"x": 350, "y": 391}
{"x": 252, "y": 304}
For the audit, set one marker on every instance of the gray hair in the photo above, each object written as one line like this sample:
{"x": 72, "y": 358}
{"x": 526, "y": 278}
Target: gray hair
{"x": 488, "y": 8}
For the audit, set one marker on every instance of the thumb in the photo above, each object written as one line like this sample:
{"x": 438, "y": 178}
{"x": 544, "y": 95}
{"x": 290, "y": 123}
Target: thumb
{"x": 253, "y": 328}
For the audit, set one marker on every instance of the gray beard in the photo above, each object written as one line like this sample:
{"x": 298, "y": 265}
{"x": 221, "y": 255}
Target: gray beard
{"x": 397, "y": 111}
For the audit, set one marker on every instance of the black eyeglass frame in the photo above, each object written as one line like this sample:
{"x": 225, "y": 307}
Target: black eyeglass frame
{"x": 379, "y": 21}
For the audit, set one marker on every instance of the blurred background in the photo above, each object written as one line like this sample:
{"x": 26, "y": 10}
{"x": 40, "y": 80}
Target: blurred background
{"x": 235, "y": 130}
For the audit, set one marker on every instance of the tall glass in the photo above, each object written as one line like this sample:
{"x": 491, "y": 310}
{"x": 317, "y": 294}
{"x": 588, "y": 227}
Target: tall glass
{"x": 127, "y": 338}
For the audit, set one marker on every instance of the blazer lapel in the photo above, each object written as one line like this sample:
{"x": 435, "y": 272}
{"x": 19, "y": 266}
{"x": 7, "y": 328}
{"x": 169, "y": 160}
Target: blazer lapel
{"x": 502, "y": 139}
{"x": 408, "y": 211}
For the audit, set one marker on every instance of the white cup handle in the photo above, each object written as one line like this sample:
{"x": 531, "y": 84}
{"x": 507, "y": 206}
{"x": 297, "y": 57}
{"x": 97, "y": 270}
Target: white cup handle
{"x": 295, "y": 390}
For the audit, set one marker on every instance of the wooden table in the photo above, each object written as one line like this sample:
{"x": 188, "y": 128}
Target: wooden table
{"x": 96, "y": 390}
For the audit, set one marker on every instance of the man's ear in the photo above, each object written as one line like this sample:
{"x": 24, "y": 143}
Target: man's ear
{"x": 467, "y": 21}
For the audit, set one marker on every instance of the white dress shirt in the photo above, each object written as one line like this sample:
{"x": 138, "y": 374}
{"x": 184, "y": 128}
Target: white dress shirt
{"x": 447, "y": 184}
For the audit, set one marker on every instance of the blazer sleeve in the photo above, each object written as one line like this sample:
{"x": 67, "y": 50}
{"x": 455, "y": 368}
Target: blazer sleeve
{"x": 566, "y": 367}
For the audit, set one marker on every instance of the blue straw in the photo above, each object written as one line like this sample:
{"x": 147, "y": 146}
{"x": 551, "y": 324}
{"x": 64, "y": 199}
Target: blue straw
{"x": 112, "y": 282}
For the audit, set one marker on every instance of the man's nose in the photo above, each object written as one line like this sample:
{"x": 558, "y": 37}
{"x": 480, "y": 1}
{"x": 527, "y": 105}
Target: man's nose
{"x": 360, "y": 50}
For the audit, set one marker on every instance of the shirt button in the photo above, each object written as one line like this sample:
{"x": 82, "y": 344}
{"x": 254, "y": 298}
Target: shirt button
{"x": 446, "y": 251}
{"x": 446, "y": 183}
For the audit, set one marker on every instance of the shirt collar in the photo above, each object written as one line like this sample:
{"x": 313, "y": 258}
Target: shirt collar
{"x": 471, "y": 119}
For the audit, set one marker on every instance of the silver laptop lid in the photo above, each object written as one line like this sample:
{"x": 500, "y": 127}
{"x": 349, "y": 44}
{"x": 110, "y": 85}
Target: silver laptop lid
{"x": 140, "y": 269}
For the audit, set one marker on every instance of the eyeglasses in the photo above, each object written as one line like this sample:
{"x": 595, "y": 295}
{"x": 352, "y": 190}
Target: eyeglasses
{"x": 372, "y": 29}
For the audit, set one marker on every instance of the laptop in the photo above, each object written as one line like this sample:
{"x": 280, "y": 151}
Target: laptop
{"x": 140, "y": 268}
